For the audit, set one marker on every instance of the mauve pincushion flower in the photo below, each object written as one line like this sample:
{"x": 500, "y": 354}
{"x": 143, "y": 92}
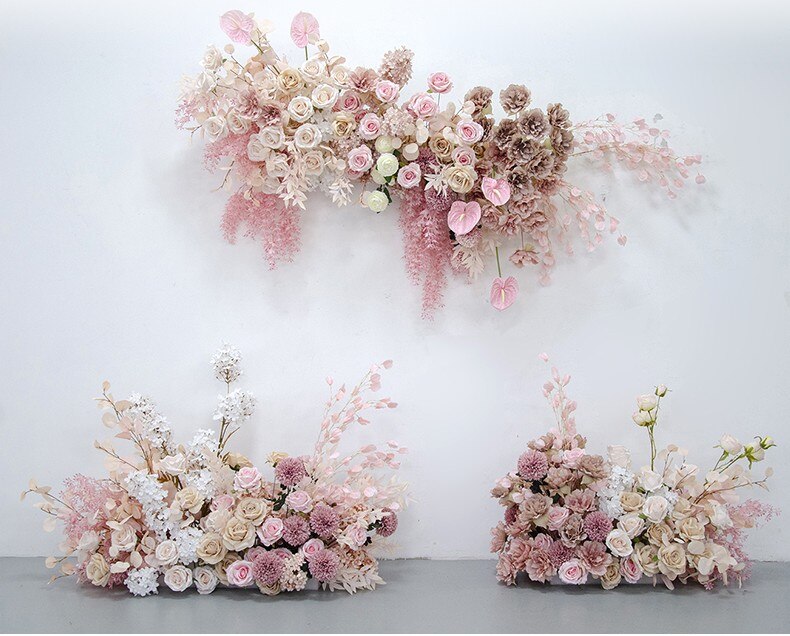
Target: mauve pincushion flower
{"x": 389, "y": 524}
{"x": 597, "y": 525}
{"x": 533, "y": 465}
{"x": 267, "y": 568}
{"x": 324, "y": 521}
{"x": 324, "y": 566}
{"x": 290, "y": 471}
{"x": 559, "y": 553}
{"x": 296, "y": 530}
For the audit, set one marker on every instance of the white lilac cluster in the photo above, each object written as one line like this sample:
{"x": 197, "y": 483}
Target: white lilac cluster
{"x": 153, "y": 424}
{"x": 143, "y": 582}
{"x": 147, "y": 490}
{"x": 226, "y": 362}
{"x": 236, "y": 407}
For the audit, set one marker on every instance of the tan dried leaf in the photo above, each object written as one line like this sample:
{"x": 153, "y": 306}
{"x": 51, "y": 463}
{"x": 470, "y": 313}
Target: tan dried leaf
{"x": 50, "y": 562}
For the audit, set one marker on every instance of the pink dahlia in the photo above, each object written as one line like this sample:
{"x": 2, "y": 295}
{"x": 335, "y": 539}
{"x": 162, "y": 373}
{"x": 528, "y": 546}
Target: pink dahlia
{"x": 267, "y": 568}
{"x": 324, "y": 521}
{"x": 296, "y": 530}
{"x": 324, "y": 565}
{"x": 389, "y": 523}
{"x": 559, "y": 553}
{"x": 290, "y": 471}
{"x": 597, "y": 525}
{"x": 533, "y": 465}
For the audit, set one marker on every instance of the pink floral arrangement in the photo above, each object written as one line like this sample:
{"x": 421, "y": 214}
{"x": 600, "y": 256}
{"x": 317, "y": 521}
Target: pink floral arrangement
{"x": 201, "y": 515}
{"x": 575, "y": 516}
{"x": 473, "y": 190}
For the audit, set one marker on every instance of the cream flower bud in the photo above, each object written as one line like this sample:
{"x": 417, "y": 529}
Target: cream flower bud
{"x": 642, "y": 418}
{"x": 730, "y": 444}
{"x": 377, "y": 177}
{"x": 646, "y": 402}
{"x": 384, "y": 144}
{"x": 387, "y": 164}
{"x": 661, "y": 390}
{"x": 377, "y": 201}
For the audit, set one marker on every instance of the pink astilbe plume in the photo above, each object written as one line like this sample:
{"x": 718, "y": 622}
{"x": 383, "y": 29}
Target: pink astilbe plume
{"x": 86, "y": 497}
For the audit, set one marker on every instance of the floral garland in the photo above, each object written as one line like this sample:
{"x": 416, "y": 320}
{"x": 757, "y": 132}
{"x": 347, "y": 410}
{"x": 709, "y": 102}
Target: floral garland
{"x": 198, "y": 514}
{"x": 573, "y": 515}
{"x": 469, "y": 186}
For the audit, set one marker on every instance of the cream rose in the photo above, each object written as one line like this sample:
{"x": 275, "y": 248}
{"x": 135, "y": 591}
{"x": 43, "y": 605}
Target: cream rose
{"x": 650, "y": 480}
{"x": 690, "y": 529}
{"x": 300, "y": 109}
{"x": 655, "y": 508}
{"x": 612, "y": 577}
{"x": 178, "y": 578}
{"x": 89, "y": 541}
{"x": 123, "y": 538}
{"x": 276, "y": 166}
{"x": 343, "y": 124}
{"x": 189, "y": 499}
{"x": 660, "y": 534}
{"x": 238, "y": 534}
{"x": 256, "y": 150}
{"x": 166, "y": 553}
{"x": 672, "y": 560}
{"x": 215, "y": 127}
{"x": 307, "y": 136}
{"x": 211, "y": 549}
{"x": 730, "y": 444}
{"x": 340, "y": 76}
{"x": 631, "y": 501}
{"x": 313, "y": 68}
{"x": 377, "y": 201}
{"x": 216, "y": 521}
{"x": 461, "y": 179}
{"x": 619, "y": 543}
{"x": 173, "y": 464}
{"x": 290, "y": 80}
{"x": 648, "y": 558}
{"x": 97, "y": 570}
{"x": 313, "y": 162}
{"x": 206, "y": 579}
{"x": 387, "y": 164}
{"x": 271, "y": 137}
{"x": 252, "y": 510}
{"x": 237, "y": 124}
{"x": 324, "y": 96}
{"x": 632, "y": 523}
{"x": 212, "y": 58}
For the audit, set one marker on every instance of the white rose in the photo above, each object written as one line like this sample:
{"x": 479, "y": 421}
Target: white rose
{"x": 300, "y": 501}
{"x": 341, "y": 76}
{"x": 256, "y": 150}
{"x": 377, "y": 201}
{"x": 300, "y": 109}
{"x": 271, "y": 137}
{"x": 97, "y": 571}
{"x": 122, "y": 539}
{"x": 718, "y": 515}
{"x": 313, "y": 68}
{"x": 642, "y": 418}
{"x": 277, "y": 166}
{"x": 214, "y": 127}
{"x": 206, "y": 579}
{"x": 357, "y": 535}
{"x": 384, "y": 144}
{"x": 620, "y": 456}
{"x": 178, "y": 578}
{"x": 619, "y": 543}
{"x": 166, "y": 553}
{"x": 461, "y": 179}
{"x": 205, "y": 82}
{"x": 387, "y": 164}
{"x": 307, "y": 136}
{"x": 212, "y": 58}
{"x": 314, "y": 162}
{"x": 237, "y": 124}
{"x": 730, "y": 444}
{"x": 646, "y": 402}
{"x": 650, "y": 480}
{"x": 324, "y": 96}
{"x": 173, "y": 464}
{"x": 655, "y": 508}
{"x": 632, "y": 523}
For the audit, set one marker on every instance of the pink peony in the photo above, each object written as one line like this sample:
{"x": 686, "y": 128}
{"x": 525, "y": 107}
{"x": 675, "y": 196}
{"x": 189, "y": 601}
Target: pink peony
{"x": 237, "y": 25}
{"x": 324, "y": 521}
{"x": 573, "y": 572}
{"x": 290, "y": 471}
{"x": 538, "y": 566}
{"x": 324, "y": 566}
{"x": 267, "y": 568}
{"x": 595, "y": 557}
{"x": 296, "y": 530}
{"x": 240, "y": 574}
{"x": 440, "y": 83}
{"x": 533, "y": 465}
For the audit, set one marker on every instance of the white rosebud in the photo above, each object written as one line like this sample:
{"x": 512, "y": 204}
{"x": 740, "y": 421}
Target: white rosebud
{"x": 642, "y": 418}
{"x": 661, "y": 390}
{"x": 377, "y": 201}
{"x": 730, "y": 444}
{"x": 647, "y": 402}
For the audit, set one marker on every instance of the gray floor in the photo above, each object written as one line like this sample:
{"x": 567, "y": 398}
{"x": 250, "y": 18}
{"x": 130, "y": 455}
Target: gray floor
{"x": 420, "y": 596}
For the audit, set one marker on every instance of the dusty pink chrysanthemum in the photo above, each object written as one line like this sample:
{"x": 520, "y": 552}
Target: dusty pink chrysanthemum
{"x": 389, "y": 524}
{"x": 510, "y": 514}
{"x": 290, "y": 471}
{"x": 559, "y": 553}
{"x": 597, "y": 525}
{"x": 324, "y": 521}
{"x": 267, "y": 568}
{"x": 296, "y": 530}
{"x": 324, "y": 565}
{"x": 533, "y": 465}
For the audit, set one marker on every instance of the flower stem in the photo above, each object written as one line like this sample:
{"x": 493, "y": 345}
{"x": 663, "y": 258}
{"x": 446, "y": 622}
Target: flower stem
{"x": 498, "y": 266}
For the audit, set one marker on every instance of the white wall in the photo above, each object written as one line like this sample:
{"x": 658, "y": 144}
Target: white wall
{"x": 113, "y": 265}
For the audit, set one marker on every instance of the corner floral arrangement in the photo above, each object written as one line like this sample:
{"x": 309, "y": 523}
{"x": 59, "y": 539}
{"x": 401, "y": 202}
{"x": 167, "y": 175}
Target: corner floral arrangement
{"x": 201, "y": 515}
{"x": 473, "y": 190}
{"x": 573, "y": 515}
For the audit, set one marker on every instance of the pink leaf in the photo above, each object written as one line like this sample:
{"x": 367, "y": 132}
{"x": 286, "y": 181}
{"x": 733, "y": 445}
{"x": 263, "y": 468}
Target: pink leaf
{"x": 463, "y": 217}
{"x": 304, "y": 29}
{"x": 503, "y": 292}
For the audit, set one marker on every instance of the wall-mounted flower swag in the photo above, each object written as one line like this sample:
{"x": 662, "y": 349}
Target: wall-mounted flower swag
{"x": 472, "y": 190}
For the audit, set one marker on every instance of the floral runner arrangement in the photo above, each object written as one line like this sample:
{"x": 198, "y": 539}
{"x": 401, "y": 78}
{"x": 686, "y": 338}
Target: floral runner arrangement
{"x": 573, "y": 515}
{"x": 473, "y": 190}
{"x": 201, "y": 515}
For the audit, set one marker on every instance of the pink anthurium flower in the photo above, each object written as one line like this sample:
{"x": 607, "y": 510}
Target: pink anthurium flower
{"x": 237, "y": 25}
{"x": 496, "y": 190}
{"x": 504, "y": 292}
{"x": 304, "y": 29}
{"x": 463, "y": 217}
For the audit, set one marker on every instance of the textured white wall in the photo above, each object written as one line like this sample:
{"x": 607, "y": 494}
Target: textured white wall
{"x": 113, "y": 265}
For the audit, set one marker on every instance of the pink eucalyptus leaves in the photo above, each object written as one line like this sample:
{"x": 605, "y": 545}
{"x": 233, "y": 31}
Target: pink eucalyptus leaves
{"x": 496, "y": 190}
{"x": 304, "y": 29}
{"x": 503, "y": 292}
{"x": 463, "y": 217}
{"x": 237, "y": 25}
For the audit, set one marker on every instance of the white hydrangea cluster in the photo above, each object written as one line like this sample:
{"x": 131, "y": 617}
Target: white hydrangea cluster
{"x": 226, "y": 362}
{"x": 201, "y": 480}
{"x": 609, "y": 496}
{"x": 236, "y": 407}
{"x": 143, "y": 582}
{"x": 154, "y": 425}
{"x": 146, "y": 488}
{"x": 187, "y": 541}
{"x": 205, "y": 441}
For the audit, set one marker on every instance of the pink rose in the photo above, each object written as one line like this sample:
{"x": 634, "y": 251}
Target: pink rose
{"x": 360, "y": 159}
{"x": 300, "y": 501}
{"x": 312, "y": 547}
{"x": 369, "y": 126}
{"x": 237, "y": 25}
{"x": 469, "y": 131}
{"x": 409, "y": 175}
{"x": 570, "y": 458}
{"x": 558, "y": 515}
{"x": 270, "y": 531}
{"x": 630, "y": 569}
{"x": 387, "y": 91}
{"x": 542, "y": 542}
{"x": 222, "y": 502}
{"x": 239, "y": 573}
{"x": 422, "y": 105}
{"x": 463, "y": 156}
{"x": 357, "y": 535}
{"x": 247, "y": 478}
{"x": 439, "y": 83}
{"x": 573, "y": 572}
{"x": 350, "y": 101}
